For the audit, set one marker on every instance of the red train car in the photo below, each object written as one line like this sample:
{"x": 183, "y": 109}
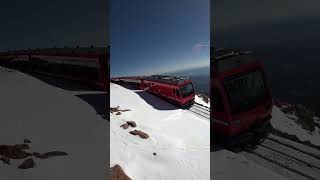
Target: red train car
{"x": 87, "y": 65}
{"x": 177, "y": 90}
{"x": 242, "y": 102}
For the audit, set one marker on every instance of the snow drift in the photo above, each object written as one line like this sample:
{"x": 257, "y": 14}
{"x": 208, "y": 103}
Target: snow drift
{"x": 179, "y": 142}
{"x": 53, "y": 119}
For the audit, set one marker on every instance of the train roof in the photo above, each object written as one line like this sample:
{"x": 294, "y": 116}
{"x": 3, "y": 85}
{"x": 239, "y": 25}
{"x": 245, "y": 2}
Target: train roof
{"x": 227, "y": 59}
{"x": 168, "y": 79}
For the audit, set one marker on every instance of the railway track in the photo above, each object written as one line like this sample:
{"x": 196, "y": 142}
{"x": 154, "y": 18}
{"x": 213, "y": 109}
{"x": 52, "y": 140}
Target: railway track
{"x": 280, "y": 154}
{"x": 200, "y": 110}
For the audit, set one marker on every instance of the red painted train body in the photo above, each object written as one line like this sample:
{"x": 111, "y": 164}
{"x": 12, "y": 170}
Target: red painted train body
{"x": 242, "y": 102}
{"x": 87, "y": 65}
{"x": 179, "y": 91}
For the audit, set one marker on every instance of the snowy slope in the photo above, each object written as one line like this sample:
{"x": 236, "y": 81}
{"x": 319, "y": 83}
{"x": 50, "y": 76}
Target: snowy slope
{"x": 199, "y": 100}
{"x": 53, "y": 119}
{"x": 228, "y": 165}
{"x": 283, "y": 123}
{"x": 180, "y": 139}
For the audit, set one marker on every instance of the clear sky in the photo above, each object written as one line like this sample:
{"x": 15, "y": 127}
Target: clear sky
{"x": 265, "y": 23}
{"x": 156, "y": 36}
{"x": 40, "y": 24}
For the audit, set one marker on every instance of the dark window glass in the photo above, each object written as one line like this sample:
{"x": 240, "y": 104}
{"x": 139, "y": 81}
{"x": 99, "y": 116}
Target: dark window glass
{"x": 177, "y": 93}
{"x": 246, "y": 91}
{"x": 187, "y": 90}
{"x": 217, "y": 100}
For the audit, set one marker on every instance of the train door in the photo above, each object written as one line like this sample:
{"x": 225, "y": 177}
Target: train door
{"x": 173, "y": 93}
{"x": 219, "y": 117}
{"x": 178, "y": 94}
{"x": 102, "y": 69}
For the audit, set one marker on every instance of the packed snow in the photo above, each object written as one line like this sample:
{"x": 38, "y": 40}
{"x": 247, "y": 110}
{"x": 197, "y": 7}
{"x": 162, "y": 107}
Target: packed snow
{"x": 199, "y": 100}
{"x": 285, "y": 123}
{"x": 53, "y": 119}
{"x": 179, "y": 139}
{"x": 228, "y": 165}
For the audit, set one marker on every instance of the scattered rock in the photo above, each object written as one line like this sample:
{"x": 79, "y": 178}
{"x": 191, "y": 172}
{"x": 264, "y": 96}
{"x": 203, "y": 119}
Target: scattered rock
{"x": 37, "y": 155}
{"x": 49, "y": 154}
{"x": 205, "y": 98}
{"x": 26, "y": 164}
{"x": 118, "y": 110}
{"x": 13, "y": 152}
{"x": 114, "y": 109}
{"x": 5, "y": 159}
{"x": 17, "y": 152}
{"x": 117, "y": 173}
{"x": 132, "y": 123}
{"x": 135, "y": 132}
{"x": 22, "y": 146}
{"x": 124, "y": 126}
{"x": 26, "y": 141}
{"x": 305, "y": 117}
{"x": 154, "y": 154}
{"x": 125, "y": 110}
{"x": 143, "y": 135}
{"x": 140, "y": 133}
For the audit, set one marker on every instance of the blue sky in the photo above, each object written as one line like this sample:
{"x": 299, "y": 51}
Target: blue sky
{"x": 149, "y": 37}
{"x": 266, "y": 24}
{"x": 43, "y": 24}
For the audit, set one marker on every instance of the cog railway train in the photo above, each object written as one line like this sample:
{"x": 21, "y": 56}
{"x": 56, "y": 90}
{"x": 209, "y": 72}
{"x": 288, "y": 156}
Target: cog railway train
{"x": 86, "y": 65}
{"x": 241, "y": 99}
{"x": 177, "y": 90}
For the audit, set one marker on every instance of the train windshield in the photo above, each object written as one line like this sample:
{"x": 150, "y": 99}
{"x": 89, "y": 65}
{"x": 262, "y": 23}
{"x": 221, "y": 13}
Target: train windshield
{"x": 187, "y": 90}
{"x": 246, "y": 91}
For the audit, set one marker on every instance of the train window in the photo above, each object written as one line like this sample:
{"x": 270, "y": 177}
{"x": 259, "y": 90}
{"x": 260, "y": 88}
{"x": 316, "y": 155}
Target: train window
{"x": 177, "y": 93}
{"x": 187, "y": 90}
{"x": 246, "y": 91}
{"x": 217, "y": 100}
{"x": 92, "y": 64}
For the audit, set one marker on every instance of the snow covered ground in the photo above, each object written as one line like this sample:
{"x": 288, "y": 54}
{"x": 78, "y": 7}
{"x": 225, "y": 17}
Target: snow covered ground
{"x": 179, "y": 139}
{"x": 199, "y": 100}
{"x": 285, "y": 123}
{"x": 53, "y": 119}
{"x": 226, "y": 165}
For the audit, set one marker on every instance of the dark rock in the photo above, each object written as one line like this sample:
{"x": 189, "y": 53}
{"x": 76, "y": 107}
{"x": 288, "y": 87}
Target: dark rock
{"x": 5, "y": 159}
{"x": 22, "y": 146}
{"x": 114, "y": 109}
{"x": 13, "y": 152}
{"x": 135, "y": 132}
{"x": 140, "y": 133}
{"x": 118, "y": 113}
{"x": 49, "y": 154}
{"x": 35, "y": 154}
{"x": 117, "y": 173}
{"x": 154, "y": 154}
{"x": 28, "y": 163}
{"x": 125, "y": 110}
{"x": 132, "y": 123}
{"x": 124, "y": 126}
{"x": 26, "y": 141}
{"x": 143, "y": 135}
